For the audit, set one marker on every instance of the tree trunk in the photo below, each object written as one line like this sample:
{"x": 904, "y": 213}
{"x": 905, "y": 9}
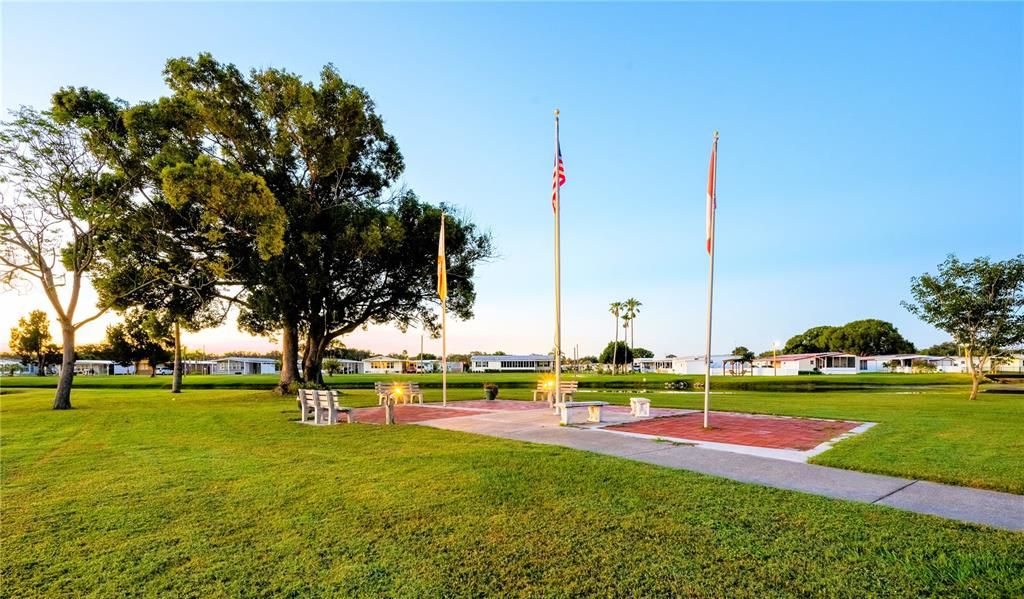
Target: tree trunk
{"x": 313, "y": 356}
{"x": 42, "y": 365}
{"x": 176, "y": 382}
{"x": 62, "y": 400}
{"x": 289, "y": 357}
{"x": 975, "y": 373}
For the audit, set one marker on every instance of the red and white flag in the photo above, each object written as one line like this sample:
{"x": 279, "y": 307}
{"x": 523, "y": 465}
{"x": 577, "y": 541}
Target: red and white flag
{"x": 711, "y": 194}
{"x": 559, "y": 176}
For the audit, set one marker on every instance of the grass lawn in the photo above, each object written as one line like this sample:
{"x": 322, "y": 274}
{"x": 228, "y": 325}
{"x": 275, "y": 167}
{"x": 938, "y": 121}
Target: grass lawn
{"x": 526, "y": 380}
{"x": 219, "y": 493}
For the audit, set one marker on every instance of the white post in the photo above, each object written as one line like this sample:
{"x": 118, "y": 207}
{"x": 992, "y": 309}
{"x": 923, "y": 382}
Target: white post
{"x": 444, "y": 353}
{"x": 711, "y": 288}
{"x": 558, "y": 276}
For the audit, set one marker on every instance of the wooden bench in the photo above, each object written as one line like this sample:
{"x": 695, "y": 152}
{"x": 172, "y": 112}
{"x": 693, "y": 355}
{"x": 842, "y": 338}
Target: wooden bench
{"x": 323, "y": 406}
{"x": 580, "y": 412}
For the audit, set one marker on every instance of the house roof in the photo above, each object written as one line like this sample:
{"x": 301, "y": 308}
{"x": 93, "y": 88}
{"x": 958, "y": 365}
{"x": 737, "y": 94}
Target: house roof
{"x": 246, "y": 360}
{"x": 798, "y": 357}
{"x": 383, "y": 359}
{"x": 535, "y": 357}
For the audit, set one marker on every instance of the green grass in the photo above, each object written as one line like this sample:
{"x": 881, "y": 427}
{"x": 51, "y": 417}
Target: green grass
{"x": 513, "y": 381}
{"x": 220, "y": 493}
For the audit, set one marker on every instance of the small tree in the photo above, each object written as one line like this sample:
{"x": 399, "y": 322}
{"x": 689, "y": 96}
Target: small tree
{"x": 979, "y": 303}
{"x": 640, "y": 352}
{"x": 141, "y": 336}
{"x": 744, "y": 355}
{"x": 616, "y": 352}
{"x": 56, "y": 201}
{"x": 332, "y": 365}
{"x": 30, "y": 338}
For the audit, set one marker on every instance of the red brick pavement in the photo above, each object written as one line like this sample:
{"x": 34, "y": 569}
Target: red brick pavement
{"x": 743, "y": 429}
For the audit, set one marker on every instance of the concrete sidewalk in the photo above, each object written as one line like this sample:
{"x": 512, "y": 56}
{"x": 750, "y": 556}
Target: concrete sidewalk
{"x": 1000, "y": 510}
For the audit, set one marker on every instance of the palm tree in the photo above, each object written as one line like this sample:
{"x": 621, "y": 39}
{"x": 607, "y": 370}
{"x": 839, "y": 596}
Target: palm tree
{"x": 616, "y": 310}
{"x": 632, "y": 306}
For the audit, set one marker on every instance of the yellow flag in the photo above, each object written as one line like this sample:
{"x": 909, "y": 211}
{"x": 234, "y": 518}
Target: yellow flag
{"x": 442, "y": 267}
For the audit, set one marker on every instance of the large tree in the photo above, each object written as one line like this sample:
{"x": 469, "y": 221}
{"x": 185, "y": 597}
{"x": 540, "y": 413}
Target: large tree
{"x": 199, "y": 223}
{"x": 355, "y": 251}
{"x": 31, "y": 338}
{"x": 979, "y": 303}
{"x": 56, "y": 202}
{"x": 813, "y": 340}
{"x": 869, "y": 337}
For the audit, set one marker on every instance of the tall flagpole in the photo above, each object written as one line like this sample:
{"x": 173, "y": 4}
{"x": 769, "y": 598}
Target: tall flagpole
{"x": 558, "y": 276}
{"x": 443, "y": 279}
{"x": 444, "y": 353}
{"x": 713, "y": 176}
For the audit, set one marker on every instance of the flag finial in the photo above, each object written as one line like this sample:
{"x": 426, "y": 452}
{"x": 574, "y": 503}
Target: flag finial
{"x": 716, "y": 133}
{"x": 556, "y": 113}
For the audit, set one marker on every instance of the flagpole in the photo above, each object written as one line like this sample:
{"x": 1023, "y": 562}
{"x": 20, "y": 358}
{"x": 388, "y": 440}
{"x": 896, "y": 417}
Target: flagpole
{"x": 558, "y": 277}
{"x": 444, "y": 329}
{"x": 711, "y": 284}
{"x": 444, "y": 353}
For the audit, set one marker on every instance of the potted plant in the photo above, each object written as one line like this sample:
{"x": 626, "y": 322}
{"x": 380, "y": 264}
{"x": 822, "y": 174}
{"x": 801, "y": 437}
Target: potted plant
{"x": 491, "y": 390}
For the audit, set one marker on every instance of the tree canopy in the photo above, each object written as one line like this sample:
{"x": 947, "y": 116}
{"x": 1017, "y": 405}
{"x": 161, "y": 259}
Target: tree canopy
{"x": 860, "y": 337}
{"x": 979, "y": 303}
{"x": 31, "y": 338}
{"x": 616, "y": 352}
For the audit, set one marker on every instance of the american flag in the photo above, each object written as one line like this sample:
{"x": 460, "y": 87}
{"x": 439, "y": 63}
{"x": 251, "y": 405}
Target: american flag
{"x": 712, "y": 176}
{"x": 559, "y": 177}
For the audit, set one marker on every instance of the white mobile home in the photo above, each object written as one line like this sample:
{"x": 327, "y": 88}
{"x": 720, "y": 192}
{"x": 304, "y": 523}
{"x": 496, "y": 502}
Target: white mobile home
{"x": 241, "y": 365}
{"x": 523, "y": 363}
{"x": 904, "y": 363}
{"x": 383, "y": 365}
{"x": 349, "y": 367}
{"x": 823, "y": 362}
{"x": 651, "y": 365}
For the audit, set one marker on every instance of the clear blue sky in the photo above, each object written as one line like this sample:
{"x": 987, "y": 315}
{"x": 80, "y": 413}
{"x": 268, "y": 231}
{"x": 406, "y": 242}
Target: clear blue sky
{"x": 860, "y": 144}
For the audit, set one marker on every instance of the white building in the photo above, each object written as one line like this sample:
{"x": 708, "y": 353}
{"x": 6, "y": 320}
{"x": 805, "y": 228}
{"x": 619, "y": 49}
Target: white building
{"x": 721, "y": 364}
{"x": 649, "y": 365}
{"x": 349, "y": 366}
{"x": 101, "y": 367}
{"x": 905, "y": 363}
{"x": 241, "y": 365}
{"x": 527, "y": 363}
{"x": 383, "y": 365}
{"x": 790, "y": 364}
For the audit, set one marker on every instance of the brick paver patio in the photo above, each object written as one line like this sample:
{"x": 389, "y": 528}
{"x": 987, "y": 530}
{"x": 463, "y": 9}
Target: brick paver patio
{"x": 743, "y": 429}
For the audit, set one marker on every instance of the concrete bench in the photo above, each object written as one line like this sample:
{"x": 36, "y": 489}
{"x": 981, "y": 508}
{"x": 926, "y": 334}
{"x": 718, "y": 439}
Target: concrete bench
{"x": 639, "y": 407}
{"x": 323, "y": 406}
{"x": 580, "y": 412}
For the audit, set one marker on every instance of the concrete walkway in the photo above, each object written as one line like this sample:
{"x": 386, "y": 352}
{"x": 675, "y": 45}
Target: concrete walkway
{"x": 1000, "y": 510}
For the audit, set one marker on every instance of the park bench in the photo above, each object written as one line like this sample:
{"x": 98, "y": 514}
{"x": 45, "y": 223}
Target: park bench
{"x": 580, "y": 412}
{"x": 398, "y": 392}
{"x": 323, "y": 406}
{"x": 545, "y": 390}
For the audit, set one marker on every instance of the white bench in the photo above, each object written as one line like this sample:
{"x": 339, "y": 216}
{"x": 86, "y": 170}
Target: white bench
{"x": 580, "y": 412}
{"x": 397, "y": 392}
{"x": 639, "y": 407}
{"x": 323, "y": 406}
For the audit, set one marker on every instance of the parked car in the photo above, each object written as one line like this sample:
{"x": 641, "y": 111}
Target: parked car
{"x": 164, "y": 370}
